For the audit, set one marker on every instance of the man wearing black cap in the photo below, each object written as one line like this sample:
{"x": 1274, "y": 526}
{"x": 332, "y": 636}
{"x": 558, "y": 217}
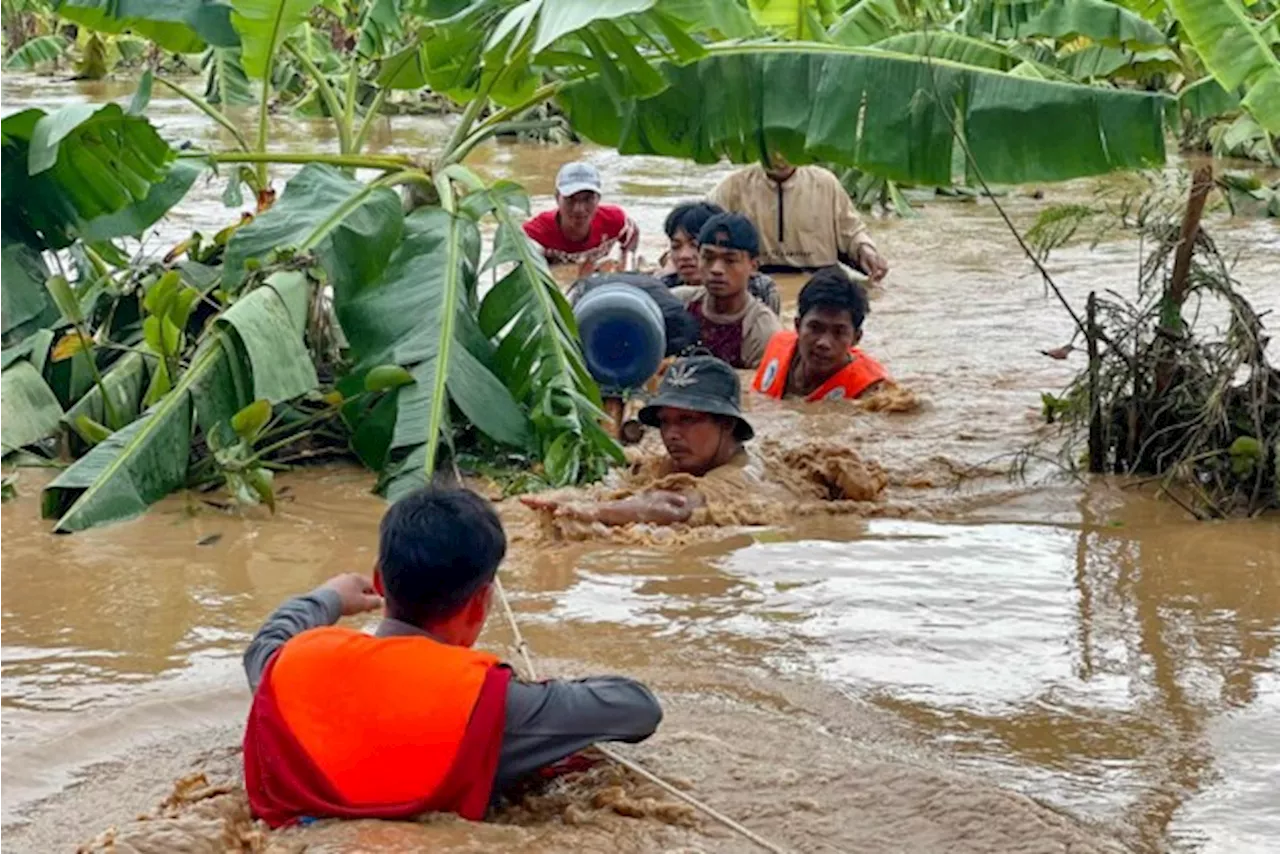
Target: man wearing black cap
{"x": 698, "y": 414}
{"x": 735, "y": 326}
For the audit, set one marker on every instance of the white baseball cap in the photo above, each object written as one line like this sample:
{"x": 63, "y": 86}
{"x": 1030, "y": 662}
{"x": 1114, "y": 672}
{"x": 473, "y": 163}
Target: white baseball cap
{"x": 576, "y": 177}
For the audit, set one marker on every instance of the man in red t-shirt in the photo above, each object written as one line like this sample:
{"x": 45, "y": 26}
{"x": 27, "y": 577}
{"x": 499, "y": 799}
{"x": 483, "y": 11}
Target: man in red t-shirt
{"x": 581, "y": 230}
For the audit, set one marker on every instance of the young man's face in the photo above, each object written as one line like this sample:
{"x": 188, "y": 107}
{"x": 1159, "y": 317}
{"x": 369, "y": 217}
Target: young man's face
{"x": 684, "y": 255}
{"x": 825, "y": 337}
{"x": 577, "y": 211}
{"x": 725, "y": 272}
{"x": 693, "y": 439}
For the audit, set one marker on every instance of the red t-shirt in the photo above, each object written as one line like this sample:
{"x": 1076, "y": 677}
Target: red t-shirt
{"x": 610, "y": 227}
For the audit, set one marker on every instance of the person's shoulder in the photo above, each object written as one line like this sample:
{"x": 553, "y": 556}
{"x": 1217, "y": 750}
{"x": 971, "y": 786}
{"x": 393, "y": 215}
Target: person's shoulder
{"x": 821, "y": 175}
{"x": 612, "y": 217}
{"x": 763, "y": 317}
{"x": 688, "y": 293}
{"x": 540, "y": 225}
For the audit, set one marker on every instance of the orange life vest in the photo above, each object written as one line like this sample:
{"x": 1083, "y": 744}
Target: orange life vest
{"x": 350, "y": 725}
{"x": 846, "y": 384}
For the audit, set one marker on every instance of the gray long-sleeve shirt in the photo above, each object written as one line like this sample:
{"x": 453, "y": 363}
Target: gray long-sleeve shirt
{"x": 545, "y": 722}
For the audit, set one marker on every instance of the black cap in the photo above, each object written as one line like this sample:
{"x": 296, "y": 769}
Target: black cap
{"x": 731, "y": 231}
{"x": 700, "y": 384}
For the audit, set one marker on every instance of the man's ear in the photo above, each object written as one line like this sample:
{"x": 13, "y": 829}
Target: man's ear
{"x": 797, "y": 324}
{"x": 755, "y": 264}
{"x": 377, "y": 581}
{"x": 857, "y": 336}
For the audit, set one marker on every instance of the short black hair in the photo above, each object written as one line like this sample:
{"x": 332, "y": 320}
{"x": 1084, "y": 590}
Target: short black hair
{"x": 691, "y": 216}
{"x": 739, "y": 233}
{"x": 436, "y": 547}
{"x": 831, "y": 288}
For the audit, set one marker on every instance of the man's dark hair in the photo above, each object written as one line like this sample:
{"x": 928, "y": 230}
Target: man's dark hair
{"x": 436, "y": 547}
{"x": 691, "y": 216}
{"x": 831, "y": 288}
{"x": 732, "y": 231}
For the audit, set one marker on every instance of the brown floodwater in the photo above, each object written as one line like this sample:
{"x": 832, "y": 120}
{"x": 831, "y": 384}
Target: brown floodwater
{"x": 994, "y": 665}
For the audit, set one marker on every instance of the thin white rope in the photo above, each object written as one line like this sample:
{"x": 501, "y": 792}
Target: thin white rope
{"x": 523, "y": 648}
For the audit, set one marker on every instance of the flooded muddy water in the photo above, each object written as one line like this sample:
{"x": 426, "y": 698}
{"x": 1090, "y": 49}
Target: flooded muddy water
{"x": 994, "y": 665}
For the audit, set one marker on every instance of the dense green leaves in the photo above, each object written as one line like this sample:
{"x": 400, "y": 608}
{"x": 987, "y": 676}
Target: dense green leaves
{"x": 255, "y": 351}
{"x": 26, "y": 303}
{"x": 1099, "y": 20}
{"x": 1236, "y": 54}
{"x": 885, "y": 114}
{"x": 38, "y": 51}
{"x": 182, "y": 26}
{"x": 350, "y": 225}
{"x": 416, "y": 315}
{"x": 31, "y": 411}
{"x": 66, "y": 169}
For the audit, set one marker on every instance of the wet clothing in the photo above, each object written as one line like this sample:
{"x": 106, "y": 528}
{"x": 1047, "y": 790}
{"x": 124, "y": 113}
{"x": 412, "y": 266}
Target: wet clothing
{"x": 762, "y": 287}
{"x": 610, "y": 227}
{"x": 849, "y": 382}
{"x": 806, "y": 222}
{"x": 738, "y": 339}
{"x": 366, "y": 744}
{"x": 540, "y": 723}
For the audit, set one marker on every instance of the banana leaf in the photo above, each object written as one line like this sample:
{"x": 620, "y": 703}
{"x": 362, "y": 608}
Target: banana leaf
{"x": 869, "y": 21}
{"x": 125, "y": 382}
{"x": 38, "y": 51}
{"x": 379, "y": 28}
{"x": 25, "y": 301}
{"x": 350, "y": 225}
{"x": 1099, "y": 20}
{"x": 29, "y": 410}
{"x": 1235, "y": 52}
{"x": 718, "y": 20}
{"x": 954, "y": 47}
{"x": 416, "y": 315}
{"x": 182, "y": 26}
{"x": 226, "y": 83}
{"x": 133, "y": 220}
{"x": 1206, "y": 99}
{"x": 802, "y": 20}
{"x": 263, "y": 26}
{"x": 892, "y": 115}
{"x": 1101, "y": 61}
{"x": 65, "y": 169}
{"x": 256, "y": 350}
{"x": 539, "y": 354}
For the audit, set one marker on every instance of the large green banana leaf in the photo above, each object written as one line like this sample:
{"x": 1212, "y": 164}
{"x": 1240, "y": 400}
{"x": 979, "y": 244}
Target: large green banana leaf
{"x": 125, "y": 382}
{"x": 29, "y": 410}
{"x": 869, "y": 21}
{"x": 182, "y": 26}
{"x": 226, "y": 82}
{"x": 352, "y": 227}
{"x": 1206, "y": 99}
{"x": 539, "y": 355}
{"x": 1099, "y": 20}
{"x": 417, "y": 315}
{"x": 891, "y": 115}
{"x": 263, "y": 26}
{"x": 38, "y": 51}
{"x": 70, "y": 172}
{"x": 380, "y": 26}
{"x": 1235, "y": 52}
{"x": 256, "y": 350}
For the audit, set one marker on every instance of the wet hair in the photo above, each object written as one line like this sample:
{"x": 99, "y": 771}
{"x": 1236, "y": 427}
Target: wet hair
{"x": 691, "y": 216}
{"x": 831, "y": 288}
{"x": 732, "y": 231}
{"x": 436, "y": 547}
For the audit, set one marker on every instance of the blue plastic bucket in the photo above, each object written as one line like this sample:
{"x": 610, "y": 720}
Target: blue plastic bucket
{"x": 623, "y": 335}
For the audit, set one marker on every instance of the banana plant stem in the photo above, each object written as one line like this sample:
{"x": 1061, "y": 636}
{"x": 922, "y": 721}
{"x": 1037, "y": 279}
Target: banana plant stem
{"x": 327, "y": 94}
{"x": 208, "y": 109}
{"x": 385, "y": 162}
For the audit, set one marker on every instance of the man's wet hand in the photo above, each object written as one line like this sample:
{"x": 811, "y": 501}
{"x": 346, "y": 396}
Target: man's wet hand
{"x": 872, "y": 262}
{"x": 665, "y": 508}
{"x": 356, "y": 592}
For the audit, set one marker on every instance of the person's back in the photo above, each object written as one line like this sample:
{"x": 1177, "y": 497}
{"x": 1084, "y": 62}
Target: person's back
{"x": 412, "y": 719}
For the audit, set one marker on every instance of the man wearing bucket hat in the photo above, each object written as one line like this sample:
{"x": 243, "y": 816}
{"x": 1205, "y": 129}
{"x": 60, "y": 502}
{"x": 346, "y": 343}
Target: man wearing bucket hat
{"x": 697, "y": 412}
{"x": 581, "y": 230}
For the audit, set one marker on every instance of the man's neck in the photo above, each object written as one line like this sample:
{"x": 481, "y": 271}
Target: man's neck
{"x": 576, "y": 238}
{"x": 729, "y": 305}
{"x": 804, "y": 381}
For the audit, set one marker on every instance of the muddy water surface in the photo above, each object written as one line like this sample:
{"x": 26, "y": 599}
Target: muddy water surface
{"x": 995, "y": 666}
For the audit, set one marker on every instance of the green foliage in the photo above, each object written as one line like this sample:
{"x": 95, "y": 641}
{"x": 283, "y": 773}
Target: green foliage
{"x": 1018, "y": 130}
{"x": 31, "y": 411}
{"x": 1236, "y": 53}
{"x": 41, "y": 50}
{"x": 181, "y": 26}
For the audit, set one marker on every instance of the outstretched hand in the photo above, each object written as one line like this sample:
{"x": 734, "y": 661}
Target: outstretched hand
{"x": 872, "y": 262}
{"x": 356, "y": 592}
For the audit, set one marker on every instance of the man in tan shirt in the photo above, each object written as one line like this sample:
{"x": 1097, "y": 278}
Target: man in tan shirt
{"x": 733, "y": 325}
{"x": 805, "y": 218}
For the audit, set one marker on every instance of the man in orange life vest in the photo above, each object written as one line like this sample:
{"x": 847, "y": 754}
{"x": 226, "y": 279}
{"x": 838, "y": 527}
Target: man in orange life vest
{"x": 411, "y": 719}
{"x": 820, "y": 360}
